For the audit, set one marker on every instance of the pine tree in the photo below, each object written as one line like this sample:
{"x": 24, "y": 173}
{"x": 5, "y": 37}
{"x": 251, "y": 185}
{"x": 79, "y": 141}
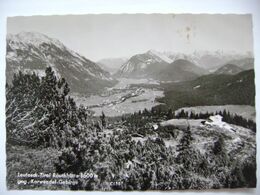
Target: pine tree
{"x": 185, "y": 149}
{"x": 103, "y": 119}
{"x": 35, "y": 104}
{"x": 181, "y": 114}
{"x": 170, "y": 114}
{"x": 218, "y": 146}
{"x": 191, "y": 116}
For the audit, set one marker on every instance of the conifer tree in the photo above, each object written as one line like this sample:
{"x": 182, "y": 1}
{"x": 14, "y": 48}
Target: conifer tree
{"x": 103, "y": 119}
{"x": 184, "y": 148}
{"x": 170, "y": 114}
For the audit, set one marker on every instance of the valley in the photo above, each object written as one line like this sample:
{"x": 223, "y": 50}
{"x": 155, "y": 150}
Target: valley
{"x": 123, "y": 98}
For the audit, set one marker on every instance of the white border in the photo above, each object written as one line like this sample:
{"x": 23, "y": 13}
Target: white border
{"x": 62, "y": 7}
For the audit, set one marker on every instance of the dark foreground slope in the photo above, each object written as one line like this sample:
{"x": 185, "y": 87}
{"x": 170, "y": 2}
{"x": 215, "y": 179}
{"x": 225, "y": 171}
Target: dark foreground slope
{"x": 47, "y": 133}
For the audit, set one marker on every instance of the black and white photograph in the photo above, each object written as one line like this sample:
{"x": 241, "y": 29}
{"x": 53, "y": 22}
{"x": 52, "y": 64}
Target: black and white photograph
{"x": 130, "y": 102}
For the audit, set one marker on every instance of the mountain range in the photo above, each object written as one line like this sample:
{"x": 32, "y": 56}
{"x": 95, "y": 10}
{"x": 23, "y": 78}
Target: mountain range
{"x": 180, "y": 70}
{"x": 212, "y": 59}
{"x": 156, "y": 65}
{"x": 33, "y": 52}
{"x": 143, "y": 65}
{"x": 176, "y": 67}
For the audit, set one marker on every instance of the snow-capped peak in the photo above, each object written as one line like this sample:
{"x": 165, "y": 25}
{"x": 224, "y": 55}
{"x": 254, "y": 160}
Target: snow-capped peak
{"x": 159, "y": 55}
{"x": 32, "y": 50}
{"x": 33, "y": 38}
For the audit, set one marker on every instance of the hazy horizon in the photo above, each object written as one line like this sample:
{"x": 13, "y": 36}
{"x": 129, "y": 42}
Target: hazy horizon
{"x": 123, "y": 35}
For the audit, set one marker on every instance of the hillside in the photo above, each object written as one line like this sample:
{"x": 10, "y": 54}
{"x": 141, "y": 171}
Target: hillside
{"x": 156, "y": 65}
{"x": 212, "y": 89}
{"x": 33, "y": 52}
{"x": 180, "y": 70}
{"x": 228, "y": 69}
{"x": 246, "y": 111}
{"x": 143, "y": 65}
{"x": 143, "y": 151}
{"x": 244, "y": 63}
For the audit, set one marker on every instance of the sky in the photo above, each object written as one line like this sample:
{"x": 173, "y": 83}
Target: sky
{"x": 98, "y": 36}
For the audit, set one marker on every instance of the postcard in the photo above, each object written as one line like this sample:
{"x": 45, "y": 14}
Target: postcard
{"x": 130, "y": 102}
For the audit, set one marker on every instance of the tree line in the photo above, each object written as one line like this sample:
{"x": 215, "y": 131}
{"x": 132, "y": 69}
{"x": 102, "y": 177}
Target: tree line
{"x": 227, "y": 117}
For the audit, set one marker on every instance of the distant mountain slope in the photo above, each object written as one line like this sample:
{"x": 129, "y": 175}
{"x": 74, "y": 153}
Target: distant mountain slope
{"x": 203, "y": 59}
{"x": 212, "y": 89}
{"x": 32, "y": 51}
{"x": 245, "y": 63}
{"x": 111, "y": 64}
{"x": 180, "y": 70}
{"x": 144, "y": 65}
{"x": 213, "y": 59}
{"x": 153, "y": 64}
{"x": 228, "y": 69}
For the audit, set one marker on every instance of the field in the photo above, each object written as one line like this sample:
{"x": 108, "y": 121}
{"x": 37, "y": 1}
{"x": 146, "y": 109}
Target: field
{"x": 245, "y": 111}
{"x": 128, "y": 96}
